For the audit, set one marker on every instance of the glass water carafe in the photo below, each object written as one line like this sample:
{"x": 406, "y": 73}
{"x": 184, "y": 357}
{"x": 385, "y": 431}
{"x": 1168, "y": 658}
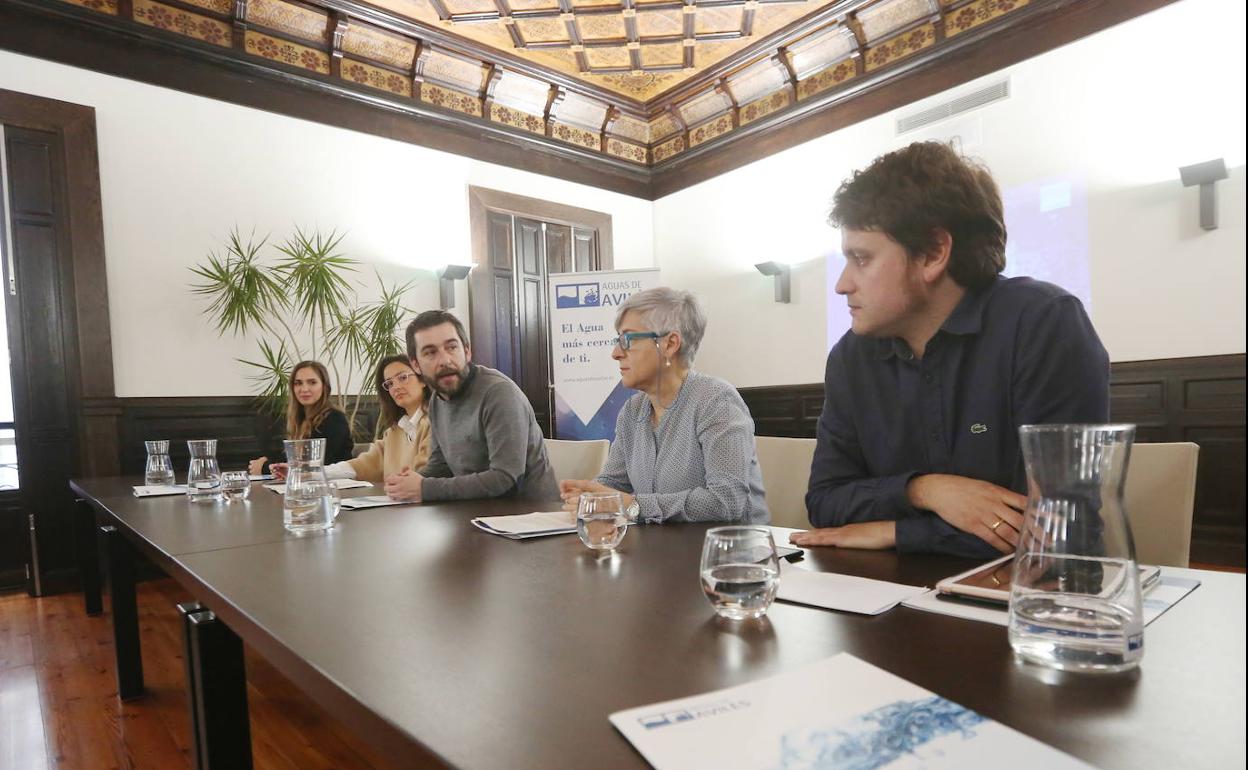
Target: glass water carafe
{"x": 1075, "y": 596}
{"x": 203, "y": 478}
{"x": 311, "y": 501}
{"x": 159, "y": 469}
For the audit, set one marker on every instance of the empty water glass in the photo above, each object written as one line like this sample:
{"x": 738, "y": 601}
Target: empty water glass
{"x": 740, "y": 571}
{"x": 159, "y": 470}
{"x": 236, "y": 485}
{"x": 203, "y": 478}
{"x": 600, "y": 520}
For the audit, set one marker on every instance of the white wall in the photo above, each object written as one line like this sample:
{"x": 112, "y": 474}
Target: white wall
{"x": 1119, "y": 112}
{"x": 178, "y": 171}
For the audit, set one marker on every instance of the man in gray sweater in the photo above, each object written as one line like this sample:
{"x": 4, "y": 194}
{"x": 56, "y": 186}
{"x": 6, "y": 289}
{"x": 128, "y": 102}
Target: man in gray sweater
{"x": 485, "y": 440}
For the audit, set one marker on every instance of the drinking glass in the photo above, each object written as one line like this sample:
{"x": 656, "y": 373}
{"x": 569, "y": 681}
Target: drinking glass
{"x": 236, "y": 485}
{"x": 159, "y": 470}
{"x": 203, "y": 479}
{"x": 600, "y": 520}
{"x": 740, "y": 571}
{"x": 311, "y": 502}
{"x": 1075, "y": 595}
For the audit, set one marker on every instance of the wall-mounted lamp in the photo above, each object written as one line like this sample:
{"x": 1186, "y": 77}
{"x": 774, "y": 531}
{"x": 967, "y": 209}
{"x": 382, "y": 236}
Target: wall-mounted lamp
{"x": 1205, "y": 174}
{"x": 781, "y": 272}
{"x": 447, "y": 277}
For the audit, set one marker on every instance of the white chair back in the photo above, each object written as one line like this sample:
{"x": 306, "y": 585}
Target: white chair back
{"x": 577, "y": 459}
{"x": 1159, "y": 495}
{"x": 785, "y": 464}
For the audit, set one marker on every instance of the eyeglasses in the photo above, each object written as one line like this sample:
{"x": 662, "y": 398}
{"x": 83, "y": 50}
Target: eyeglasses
{"x": 398, "y": 379}
{"x": 625, "y": 340}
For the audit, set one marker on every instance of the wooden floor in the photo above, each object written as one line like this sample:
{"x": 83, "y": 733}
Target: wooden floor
{"x": 59, "y": 708}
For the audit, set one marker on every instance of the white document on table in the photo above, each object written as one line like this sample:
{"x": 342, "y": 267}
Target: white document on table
{"x": 339, "y": 483}
{"x": 159, "y": 490}
{"x": 372, "y": 501}
{"x": 1164, "y": 594}
{"x": 838, "y": 713}
{"x": 526, "y": 525}
{"x": 841, "y": 592}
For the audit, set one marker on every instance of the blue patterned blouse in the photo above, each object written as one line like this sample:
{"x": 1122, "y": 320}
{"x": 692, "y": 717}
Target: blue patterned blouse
{"x": 698, "y": 465}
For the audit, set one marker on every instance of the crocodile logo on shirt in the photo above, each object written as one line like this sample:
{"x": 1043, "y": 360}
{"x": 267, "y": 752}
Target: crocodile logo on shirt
{"x": 979, "y": 427}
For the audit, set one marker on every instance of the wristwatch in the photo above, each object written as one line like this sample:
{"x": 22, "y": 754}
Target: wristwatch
{"x": 632, "y": 510}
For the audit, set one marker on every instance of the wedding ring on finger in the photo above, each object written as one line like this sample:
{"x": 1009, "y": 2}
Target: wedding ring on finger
{"x": 999, "y": 522}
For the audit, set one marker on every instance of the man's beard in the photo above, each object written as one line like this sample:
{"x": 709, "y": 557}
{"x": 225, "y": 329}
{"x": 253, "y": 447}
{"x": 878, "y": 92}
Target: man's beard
{"x": 451, "y": 392}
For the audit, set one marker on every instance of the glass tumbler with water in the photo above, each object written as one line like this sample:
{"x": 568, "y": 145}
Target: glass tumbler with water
{"x": 311, "y": 501}
{"x": 159, "y": 470}
{"x": 1075, "y": 595}
{"x": 740, "y": 571}
{"x": 600, "y": 520}
{"x": 203, "y": 479}
{"x": 236, "y": 486}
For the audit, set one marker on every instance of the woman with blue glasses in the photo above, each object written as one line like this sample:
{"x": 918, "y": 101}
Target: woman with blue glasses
{"x": 684, "y": 445}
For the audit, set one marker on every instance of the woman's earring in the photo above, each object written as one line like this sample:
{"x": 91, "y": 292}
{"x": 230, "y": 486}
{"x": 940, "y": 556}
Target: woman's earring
{"x": 669, "y": 362}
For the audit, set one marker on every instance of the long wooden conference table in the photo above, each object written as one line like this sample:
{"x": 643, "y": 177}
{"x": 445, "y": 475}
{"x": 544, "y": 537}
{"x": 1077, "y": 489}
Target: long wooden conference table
{"x": 440, "y": 644}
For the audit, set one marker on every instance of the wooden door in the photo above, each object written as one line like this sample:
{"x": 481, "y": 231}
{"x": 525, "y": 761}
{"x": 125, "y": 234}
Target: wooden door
{"x": 522, "y": 252}
{"x": 38, "y": 279}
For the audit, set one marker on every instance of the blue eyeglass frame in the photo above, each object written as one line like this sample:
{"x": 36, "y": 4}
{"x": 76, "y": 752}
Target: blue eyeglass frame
{"x": 625, "y": 340}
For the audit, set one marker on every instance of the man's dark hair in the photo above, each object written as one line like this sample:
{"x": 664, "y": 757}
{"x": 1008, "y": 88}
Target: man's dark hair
{"x": 909, "y": 193}
{"x": 428, "y": 320}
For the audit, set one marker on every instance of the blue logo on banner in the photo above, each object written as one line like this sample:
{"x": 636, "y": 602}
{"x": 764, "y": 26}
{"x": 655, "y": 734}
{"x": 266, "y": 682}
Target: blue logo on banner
{"x": 576, "y": 295}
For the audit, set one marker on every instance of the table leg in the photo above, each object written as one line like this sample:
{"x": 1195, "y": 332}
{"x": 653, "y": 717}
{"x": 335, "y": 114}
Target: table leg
{"x": 218, "y": 683}
{"x": 88, "y": 557}
{"x": 125, "y": 614}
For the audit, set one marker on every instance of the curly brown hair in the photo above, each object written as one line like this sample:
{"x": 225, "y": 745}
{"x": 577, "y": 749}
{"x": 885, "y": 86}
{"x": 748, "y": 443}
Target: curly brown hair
{"x": 909, "y": 194}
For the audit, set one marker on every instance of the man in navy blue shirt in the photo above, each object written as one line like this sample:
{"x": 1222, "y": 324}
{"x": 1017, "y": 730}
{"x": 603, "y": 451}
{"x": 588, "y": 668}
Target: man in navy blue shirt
{"x": 918, "y": 440}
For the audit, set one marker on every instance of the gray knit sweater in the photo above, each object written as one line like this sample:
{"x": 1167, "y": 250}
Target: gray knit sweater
{"x": 486, "y": 443}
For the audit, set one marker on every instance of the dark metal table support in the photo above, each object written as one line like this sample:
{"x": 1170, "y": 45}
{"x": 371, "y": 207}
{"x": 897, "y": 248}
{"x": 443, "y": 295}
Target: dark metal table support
{"x": 217, "y": 683}
{"x": 88, "y": 557}
{"x": 125, "y": 613}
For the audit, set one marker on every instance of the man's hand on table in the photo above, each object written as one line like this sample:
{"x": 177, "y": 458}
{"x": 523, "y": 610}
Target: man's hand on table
{"x": 405, "y": 485}
{"x": 991, "y": 513}
{"x": 870, "y": 535}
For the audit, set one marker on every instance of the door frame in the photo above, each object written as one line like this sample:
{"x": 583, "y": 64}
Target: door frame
{"x": 95, "y": 410}
{"x": 91, "y": 370}
{"x": 481, "y": 201}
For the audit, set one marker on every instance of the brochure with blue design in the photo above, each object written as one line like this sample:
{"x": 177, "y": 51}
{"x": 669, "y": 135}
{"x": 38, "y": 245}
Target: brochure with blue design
{"x": 838, "y": 714}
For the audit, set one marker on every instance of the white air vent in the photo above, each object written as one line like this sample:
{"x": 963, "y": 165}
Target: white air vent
{"x": 964, "y": 103}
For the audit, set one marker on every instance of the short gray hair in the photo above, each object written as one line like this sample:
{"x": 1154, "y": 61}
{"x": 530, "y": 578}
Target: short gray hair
{"x": 669, "y": 310}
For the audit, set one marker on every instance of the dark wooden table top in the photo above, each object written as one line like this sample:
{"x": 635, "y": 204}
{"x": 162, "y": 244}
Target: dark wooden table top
{"x": 433, "y": 638}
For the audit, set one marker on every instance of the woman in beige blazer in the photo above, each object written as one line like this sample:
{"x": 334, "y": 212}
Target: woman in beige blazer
{"x": 405, "y": 443}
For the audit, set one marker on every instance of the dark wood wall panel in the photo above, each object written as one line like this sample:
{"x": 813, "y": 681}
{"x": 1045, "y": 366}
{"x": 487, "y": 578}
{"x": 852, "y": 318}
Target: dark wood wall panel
{"x": 1179, "y": 399}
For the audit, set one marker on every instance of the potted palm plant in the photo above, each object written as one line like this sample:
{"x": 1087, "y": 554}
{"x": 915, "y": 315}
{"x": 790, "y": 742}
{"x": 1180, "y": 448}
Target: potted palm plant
{"x": 301, "y": 304}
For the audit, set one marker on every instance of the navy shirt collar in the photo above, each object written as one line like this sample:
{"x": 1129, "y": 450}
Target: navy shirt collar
{"x": 967, "y": 318}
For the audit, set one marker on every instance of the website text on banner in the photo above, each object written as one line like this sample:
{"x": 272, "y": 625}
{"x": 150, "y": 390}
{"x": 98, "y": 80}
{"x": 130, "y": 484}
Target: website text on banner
{"x": 588, "y": 393}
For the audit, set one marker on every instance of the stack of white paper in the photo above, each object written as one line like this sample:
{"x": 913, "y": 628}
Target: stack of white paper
{"x": 837, "y": 713}
{"x": 841, "y": 592}
{"x": 339, "y": 483}
{"x": 371, "y": 501}
{"x": 537, "y": 524}
{"x": 158, "y": 490}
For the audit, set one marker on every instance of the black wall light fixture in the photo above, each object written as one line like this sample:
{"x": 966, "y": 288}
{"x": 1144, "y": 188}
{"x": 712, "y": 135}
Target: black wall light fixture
{"x": 447, "y": 277}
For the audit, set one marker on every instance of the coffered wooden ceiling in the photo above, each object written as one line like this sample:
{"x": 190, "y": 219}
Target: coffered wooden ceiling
{"x": 635, "y": 88}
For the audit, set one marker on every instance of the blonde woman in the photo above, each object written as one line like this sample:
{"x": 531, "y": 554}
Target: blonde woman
{"x": 309, "y": 414}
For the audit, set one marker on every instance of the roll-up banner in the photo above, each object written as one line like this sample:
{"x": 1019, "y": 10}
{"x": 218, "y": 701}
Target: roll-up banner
{"x": 588, "y": 393}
